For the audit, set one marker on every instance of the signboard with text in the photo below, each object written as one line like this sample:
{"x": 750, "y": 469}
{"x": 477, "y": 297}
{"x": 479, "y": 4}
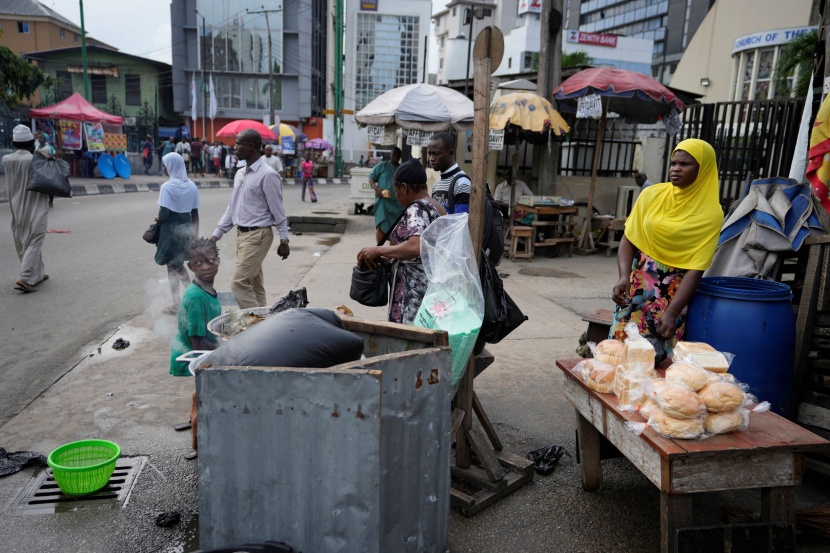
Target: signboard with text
{"x": 594, "y": 39}
{"x": 369, "y": 6}
{"x": 530, "y": 6}
{"x": 769, "y": 38}
{"x": 589, "y": 106}
{"x": 496, "y": 139}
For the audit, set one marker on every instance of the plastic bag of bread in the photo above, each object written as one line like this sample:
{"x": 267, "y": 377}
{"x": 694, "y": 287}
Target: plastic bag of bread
{"x": 597, "y": 375}
{"x": 680, "y": 401}
{"x": 632, "y": 388}
{"x": 689, "y": 373}
{"x": 638, "y": 353}
{"x": 721, "y": 396}
{"x": 670, "y": 427}
{"x": 726, "y": 421}
{"x": 648, "y": 408}
{"x": 703, "y": 355}
{"x": 608, "y": 351}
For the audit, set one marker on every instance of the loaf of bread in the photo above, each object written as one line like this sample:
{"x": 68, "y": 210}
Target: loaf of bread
{"x": 693, "y": 376}
{"x": 680, "y": 401}
{"x": 648, "y": 408}
{"x": 701, "y": 354}
{"x": 638, "y": 355}
{"x": 720, "y": 396}
{"x": 728, "y": 421}
{"x": 631, "y": 387}
{"x": 598, "y": 376}
{"x": 609, "y": 351}
{"x": 673, "y": 427}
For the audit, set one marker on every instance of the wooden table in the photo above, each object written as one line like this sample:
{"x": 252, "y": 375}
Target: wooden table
{"x": 768, "y": 455}
{"x": 555, "y": 221}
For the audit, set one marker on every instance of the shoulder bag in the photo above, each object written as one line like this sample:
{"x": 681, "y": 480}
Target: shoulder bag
{"x": 370, "y": 286}
{"x": 151, "y": 235}
{"x": 49, "y": 176}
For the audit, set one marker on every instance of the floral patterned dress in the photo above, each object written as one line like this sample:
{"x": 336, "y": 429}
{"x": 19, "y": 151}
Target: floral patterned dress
{"x": 653, "y": 286}
{"x": 409, "y": 281}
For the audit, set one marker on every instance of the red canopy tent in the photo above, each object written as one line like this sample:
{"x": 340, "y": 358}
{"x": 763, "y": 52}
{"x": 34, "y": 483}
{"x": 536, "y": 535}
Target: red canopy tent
{"x": 76, "y": 108}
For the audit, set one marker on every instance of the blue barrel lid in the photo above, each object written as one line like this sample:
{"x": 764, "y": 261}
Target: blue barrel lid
{"x": 741, "y": 288}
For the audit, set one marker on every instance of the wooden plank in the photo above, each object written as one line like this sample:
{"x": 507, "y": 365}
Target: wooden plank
{"x": 478, "y": 477}
{"x": 768, "y": 430}
{"x": 819, "y": 364}
{"x": 823, "y": 239}
{"x": 485, "y": 498}
{"x": 747, "y": 469}
{"x": 590, "y": 469}
{"x": 823, "y": 302}
{"x": 804, "y": 324}
{"x": 434, "y": 338}
{"x": 819, "y": 380}
{"x": 464, "y": 401}
{"x": 814, "y": 415}
{"x": 516, "y": 463}
{"x": 778, "y": 504}
{"x": 640, "y": 452}
{"x": 456, "y": 420}
{"x": 820, "y": 400}
{"x": 675, "y": 512}
{"x": 486, "y": 424}
{"x": 478, "y": 441}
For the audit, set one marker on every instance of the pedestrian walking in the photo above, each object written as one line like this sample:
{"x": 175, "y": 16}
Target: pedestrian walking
{"x": 196, "y": 157}
{"x": 387, "y": 209}
{"x": 273, "y": 160}
{"x": 307, "y": 168}
{"x": 255, "y": 206}
{"x": 163, "y": 149}
{"x": 30, "y": 211}
{"x": 183, "y": 149}
{"x": 147, "y": 154}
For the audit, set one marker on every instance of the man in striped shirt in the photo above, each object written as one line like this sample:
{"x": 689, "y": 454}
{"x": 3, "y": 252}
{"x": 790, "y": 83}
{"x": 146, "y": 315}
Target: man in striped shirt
{"x": 441, "y": 151}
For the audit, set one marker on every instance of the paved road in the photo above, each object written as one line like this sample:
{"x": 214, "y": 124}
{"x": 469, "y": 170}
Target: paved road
{"x": 101, "y": 274}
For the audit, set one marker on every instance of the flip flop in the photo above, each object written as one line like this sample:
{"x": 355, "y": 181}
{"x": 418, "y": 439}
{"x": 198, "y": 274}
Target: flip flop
{"x": 182, "y": 426}
{"x": 24, "y": 287}
{"x": 44, "y": 279}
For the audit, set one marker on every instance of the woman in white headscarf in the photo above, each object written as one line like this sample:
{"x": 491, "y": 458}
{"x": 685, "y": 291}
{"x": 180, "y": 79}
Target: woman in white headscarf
{"x": 179, "y": 224}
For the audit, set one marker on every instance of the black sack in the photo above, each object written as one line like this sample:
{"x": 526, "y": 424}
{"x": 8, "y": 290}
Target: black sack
{"x": 301, "y": 337}
{"x": 370, "y": 287}
{"x": 49, "y": 176}
{"x": 151, "y": 235}
{"x": 501, "y": 314}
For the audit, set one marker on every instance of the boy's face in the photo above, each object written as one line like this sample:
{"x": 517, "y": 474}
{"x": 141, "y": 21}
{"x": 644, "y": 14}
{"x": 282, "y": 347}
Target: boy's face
{"x": 205, "y": 265}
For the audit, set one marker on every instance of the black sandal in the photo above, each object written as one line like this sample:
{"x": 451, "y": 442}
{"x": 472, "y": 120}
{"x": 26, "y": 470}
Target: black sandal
{"x": 182, "y": 426}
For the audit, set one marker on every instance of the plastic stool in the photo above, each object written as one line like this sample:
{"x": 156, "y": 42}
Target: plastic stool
{"x": 526, "y": 235}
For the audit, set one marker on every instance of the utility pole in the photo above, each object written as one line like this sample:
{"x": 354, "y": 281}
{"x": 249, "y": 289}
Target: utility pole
{"x": 270, "y": 60}
{"x": 469, "y": 12}
{"x": 83, "y": 53}
{"x": 338, "y": 86}
{"x": 546, "y": 160}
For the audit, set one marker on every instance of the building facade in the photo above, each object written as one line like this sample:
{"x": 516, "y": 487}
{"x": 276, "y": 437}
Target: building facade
{"x": 228, "y": 42}
{"x": 670, "y": 24}
{"x": 734, "y": 52}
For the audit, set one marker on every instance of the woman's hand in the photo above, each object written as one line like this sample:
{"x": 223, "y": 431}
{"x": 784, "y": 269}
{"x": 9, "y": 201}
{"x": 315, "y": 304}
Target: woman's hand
{"x": 367, "y": 257}
{"x": 667, "y": 324}
{"x": 620, "y": 291}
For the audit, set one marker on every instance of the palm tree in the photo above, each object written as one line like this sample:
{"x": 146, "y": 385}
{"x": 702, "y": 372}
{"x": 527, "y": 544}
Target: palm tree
{"x": 576, "y": 59}
{"x": 796, "y": 54}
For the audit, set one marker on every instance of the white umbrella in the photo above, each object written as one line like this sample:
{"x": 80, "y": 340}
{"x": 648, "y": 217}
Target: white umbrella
{"x": 420, "y": 106}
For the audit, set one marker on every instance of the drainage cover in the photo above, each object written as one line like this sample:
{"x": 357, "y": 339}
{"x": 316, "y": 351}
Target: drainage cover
{"x": 43, "y": 497}
{"x": 545, "y": 272}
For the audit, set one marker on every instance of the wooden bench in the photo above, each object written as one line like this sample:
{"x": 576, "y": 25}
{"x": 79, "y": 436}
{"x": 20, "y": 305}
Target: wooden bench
{"x": 768, "y": 455}
{"x": 599, "y": 324}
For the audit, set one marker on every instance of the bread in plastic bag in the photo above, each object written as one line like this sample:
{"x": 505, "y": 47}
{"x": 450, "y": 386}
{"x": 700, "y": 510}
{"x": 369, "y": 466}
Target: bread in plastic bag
{"x": 726, "y": 421}
{"x": 678, "y": 400}
{"x": 702, "y": 354}
{"x": 608, "y": 351}
{"x": 721, "y": 396}
{"x": 638, "y": 353}
{"x": 453, "y": 301}
{"x": 632, "y": 388}
{"x": 670, "y": 427}
{"x": 597, "y": 375}
{"x": 689, "y": 373}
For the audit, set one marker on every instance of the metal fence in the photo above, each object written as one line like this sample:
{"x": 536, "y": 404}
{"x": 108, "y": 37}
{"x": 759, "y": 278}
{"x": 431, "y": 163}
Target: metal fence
{"x": 751, "y": 139}
{"x": 616, "y": 154}
{"x": 9, "y": 119}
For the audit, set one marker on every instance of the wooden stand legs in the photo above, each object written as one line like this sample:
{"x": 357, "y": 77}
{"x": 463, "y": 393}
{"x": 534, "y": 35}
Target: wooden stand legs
{"x": 589, "y": 456}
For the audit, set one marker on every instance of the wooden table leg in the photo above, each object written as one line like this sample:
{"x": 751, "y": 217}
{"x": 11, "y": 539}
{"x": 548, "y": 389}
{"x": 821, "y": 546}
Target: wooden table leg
{"x": 778, "y": 504}
{"x": 675, "y": 512}
{"x": 589, "y": 458}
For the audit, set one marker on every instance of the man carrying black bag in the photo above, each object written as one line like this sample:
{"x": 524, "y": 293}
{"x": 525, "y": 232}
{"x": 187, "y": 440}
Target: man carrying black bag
{"x": 29, "y": 211}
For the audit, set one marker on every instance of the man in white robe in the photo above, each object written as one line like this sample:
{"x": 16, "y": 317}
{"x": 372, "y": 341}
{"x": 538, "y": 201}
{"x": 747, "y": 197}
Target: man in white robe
{"x": 29, "y": 210}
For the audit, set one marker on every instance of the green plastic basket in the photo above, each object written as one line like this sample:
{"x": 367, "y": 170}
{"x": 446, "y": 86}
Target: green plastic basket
{"x": 83, "y": 467}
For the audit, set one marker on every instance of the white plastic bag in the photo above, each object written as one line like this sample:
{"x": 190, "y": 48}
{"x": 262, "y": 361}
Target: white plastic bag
{"x": 453, "y": 300}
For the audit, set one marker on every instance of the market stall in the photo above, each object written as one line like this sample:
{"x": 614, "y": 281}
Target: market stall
{"x": 84, "y": 132}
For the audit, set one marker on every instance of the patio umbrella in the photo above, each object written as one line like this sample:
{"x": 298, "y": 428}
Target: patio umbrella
{"x": 419, "y": 106}
{"x": 236, "y": 127}
{"x": 289, "y": 130}
{"x": 524, "y": 116}
{"x": 318, "y": 144}
{"x": 636, "y": 97}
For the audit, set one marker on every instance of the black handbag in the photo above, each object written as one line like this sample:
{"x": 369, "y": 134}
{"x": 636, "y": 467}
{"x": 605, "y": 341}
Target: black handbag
{"x": 49, "y": 176}
{"x": 501, "y": 314}
{"x": 370, "y": 287}
{"x": 151, "y": 235}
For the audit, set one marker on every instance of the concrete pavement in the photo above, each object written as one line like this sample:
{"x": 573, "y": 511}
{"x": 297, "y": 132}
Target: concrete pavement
{"x": 127, "y": 397}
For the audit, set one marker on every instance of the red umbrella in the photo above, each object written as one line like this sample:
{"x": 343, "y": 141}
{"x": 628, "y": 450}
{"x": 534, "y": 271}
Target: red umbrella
{"x": 636, "y": 97}
{"x": 236, "y": 127}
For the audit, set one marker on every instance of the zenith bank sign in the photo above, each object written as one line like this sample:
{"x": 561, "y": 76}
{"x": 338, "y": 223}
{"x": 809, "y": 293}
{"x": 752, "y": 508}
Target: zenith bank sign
{"x": 595, "y": 39}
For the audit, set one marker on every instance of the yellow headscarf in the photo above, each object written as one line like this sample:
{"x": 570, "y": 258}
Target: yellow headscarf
{"x": 678, "y": 226}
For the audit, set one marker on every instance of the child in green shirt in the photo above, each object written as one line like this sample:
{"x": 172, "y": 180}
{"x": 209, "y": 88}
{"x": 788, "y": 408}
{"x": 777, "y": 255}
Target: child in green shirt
{"x": 198, "y": 306}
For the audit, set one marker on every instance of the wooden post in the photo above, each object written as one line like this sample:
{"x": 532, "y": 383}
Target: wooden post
{"x": 590, "y": 468}
{"x": 481, "y": 123}
{"x": 586, "y": 241}
{"x": 675, "y": 512}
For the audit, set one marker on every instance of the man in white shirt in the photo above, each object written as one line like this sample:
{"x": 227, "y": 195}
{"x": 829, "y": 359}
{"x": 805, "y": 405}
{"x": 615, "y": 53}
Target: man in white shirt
{"x": 502, "y": 194}
{"x": 273, "y": 161}
{"x": 211, "y": 149}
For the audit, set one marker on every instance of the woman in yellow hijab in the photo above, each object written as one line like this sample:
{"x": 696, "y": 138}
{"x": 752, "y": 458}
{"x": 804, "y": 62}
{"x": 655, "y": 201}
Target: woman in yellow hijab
{"x": 670, "y": 240}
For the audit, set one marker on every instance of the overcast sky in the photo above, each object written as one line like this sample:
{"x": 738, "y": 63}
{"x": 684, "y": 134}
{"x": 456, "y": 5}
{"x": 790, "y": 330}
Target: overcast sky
{"x": 142, "y": 28}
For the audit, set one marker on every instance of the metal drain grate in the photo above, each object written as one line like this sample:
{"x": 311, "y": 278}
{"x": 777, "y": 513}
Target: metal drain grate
{"x": 41, "y": 496}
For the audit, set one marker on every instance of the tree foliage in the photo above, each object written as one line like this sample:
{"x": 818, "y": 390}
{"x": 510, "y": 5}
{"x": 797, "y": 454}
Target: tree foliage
{"x": 576, "y": 59}
{"x": 798, "y": 53}
{"x": 18, "y": 78}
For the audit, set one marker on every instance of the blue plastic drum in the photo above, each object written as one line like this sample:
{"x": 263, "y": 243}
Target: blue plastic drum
{"x": 106, "y": 166}
{"x": 754, "y": 320}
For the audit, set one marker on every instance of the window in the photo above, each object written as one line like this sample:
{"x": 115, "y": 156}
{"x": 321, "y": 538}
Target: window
{"x": 64, "y": 84}
{"x": 132, "y": 90}
{"x": 453, "y": 12}
{"x": 98, "y": 85}
{"x": 23, "y": 27}
{"x": 63, "y": 33}
{"x": 509, "y": 63}
{"x": 77, "y": 38}
{"x": 441, "y": 63}
{"x": 386, "y": 55}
